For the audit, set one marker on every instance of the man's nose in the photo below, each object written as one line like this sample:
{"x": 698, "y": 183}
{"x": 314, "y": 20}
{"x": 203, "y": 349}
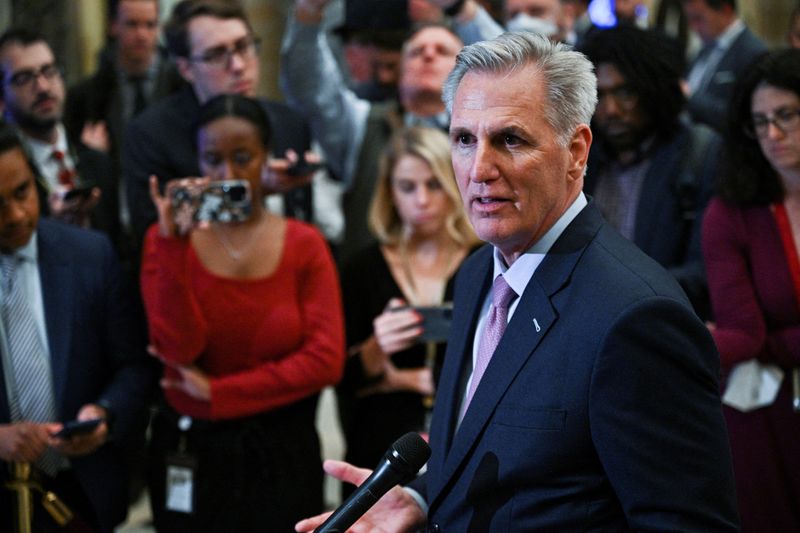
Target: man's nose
{"x": 484, "y": 164}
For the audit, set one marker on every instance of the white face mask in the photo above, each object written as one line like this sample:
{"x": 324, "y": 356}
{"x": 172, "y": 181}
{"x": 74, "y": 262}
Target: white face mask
{"x": 525, "y": 22}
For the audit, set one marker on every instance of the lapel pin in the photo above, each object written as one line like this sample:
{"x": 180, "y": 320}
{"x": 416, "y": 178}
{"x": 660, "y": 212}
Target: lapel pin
{"x": 536, "y": 324}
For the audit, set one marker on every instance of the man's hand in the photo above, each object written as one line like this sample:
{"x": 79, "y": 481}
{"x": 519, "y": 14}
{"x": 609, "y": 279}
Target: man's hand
{"x": 24, "y": 441}
{"x": 95, "y": 136}
{"x": 80, "y": 445}
{"x": 74, "y": 210}
{"x": 396, "y": 512}
{"x": 276, "y": 178}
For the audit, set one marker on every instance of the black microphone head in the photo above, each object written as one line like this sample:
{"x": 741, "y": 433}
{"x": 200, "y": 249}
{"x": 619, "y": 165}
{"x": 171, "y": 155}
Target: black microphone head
{"x": 409, "y": 453}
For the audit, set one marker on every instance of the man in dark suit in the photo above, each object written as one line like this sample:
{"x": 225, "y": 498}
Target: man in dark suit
{"x": 650, "y": 170}
{"x": 728, "y": 48}
{"x": 215, "y": 50}
{"x": 580, "y": 392}
{"x": 134, "y": 72}
{"x": 81, "y": 356}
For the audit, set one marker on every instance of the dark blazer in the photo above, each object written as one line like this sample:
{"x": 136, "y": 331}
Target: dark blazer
{"x": 599, "y": 410}
{"x": 710, "y": 106}
{"x": 99, "y": 97}
{"x": 673, "y": 197}
{"x": 161, "y": 141}
{"x": 96, "y": 353}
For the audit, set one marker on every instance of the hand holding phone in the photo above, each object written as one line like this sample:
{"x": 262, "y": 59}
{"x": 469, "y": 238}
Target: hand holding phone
{"x": 77, "y": 427}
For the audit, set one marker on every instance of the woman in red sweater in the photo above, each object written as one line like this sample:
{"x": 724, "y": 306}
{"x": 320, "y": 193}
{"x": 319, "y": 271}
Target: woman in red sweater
{"x": 246, "y": 317}
{"x": 751, "y": 242}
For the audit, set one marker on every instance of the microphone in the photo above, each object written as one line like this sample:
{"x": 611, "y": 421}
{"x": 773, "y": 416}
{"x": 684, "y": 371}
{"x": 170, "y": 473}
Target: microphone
{"x": 400, "y": 464}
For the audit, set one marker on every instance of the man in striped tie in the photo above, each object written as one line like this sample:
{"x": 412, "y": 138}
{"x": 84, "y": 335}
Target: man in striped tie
{"x": 69, "y": 350}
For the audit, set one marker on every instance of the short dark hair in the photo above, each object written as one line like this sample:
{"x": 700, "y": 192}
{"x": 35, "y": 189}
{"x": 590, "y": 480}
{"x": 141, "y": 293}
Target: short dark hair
{"x": 112, "y": 7}
{"x": 748, "y": 178}
{"x": 9, "y": 139}
{"x": 236, "y": 105}
{"x": 176, "y": 29}
{"x": 21, "y": 36}
{"x": 651, "y": 64}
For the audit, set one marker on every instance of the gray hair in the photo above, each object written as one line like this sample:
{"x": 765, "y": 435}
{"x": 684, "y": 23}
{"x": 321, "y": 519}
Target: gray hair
{"x": 568, "y": 75}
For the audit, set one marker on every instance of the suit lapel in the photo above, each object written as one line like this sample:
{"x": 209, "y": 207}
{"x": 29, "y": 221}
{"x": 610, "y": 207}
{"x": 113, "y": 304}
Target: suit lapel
{"x": 459, "y": 349}
{"x": 532, "y": 320}
{"x": 57, "y": 296}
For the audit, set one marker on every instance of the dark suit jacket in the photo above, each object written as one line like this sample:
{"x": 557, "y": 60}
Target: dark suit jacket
{"x": 599, "y": 409}
{"x": 96, "y": 353}
{"x": 161, "y": 141}
{"x": 710, "y": 106}
{"x": 672, "y": 200}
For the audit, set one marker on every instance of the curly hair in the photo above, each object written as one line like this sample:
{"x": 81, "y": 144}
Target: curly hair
{"x": 748, "y": 178}
{"x": 654, "y": 75}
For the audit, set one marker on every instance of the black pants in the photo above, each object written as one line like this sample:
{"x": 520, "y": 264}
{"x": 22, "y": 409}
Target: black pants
{"x": 261, "y": 473}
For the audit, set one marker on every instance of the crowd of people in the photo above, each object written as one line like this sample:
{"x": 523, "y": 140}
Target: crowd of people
{"x": 570, "y": 260}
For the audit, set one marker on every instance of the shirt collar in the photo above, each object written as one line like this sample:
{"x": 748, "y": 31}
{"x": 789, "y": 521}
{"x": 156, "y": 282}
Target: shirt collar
{"x": 42, "y": 151}
{"x": 726, "y": 38}
{"x": 520, "y": 273}
{"x": 28, "y": 253}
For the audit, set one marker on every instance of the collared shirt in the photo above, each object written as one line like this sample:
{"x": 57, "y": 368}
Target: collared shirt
{"x": 42, "y": 154}
{"x": 519, "y": 274}
{"x": 27, "y": 276}
{"x": 707, "y": 63}
{"x": 619, "y": 187}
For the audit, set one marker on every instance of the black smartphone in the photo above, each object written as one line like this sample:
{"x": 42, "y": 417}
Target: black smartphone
{"x": 435, "y": 322}
{"x": 303, "y": 168}
{"x": 78, "y": 427}
{"x": 81, "y": 191}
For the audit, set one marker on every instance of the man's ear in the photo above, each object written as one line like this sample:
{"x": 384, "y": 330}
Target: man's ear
{"x": 579, "y": 151}
{"x": 184, "y": 69}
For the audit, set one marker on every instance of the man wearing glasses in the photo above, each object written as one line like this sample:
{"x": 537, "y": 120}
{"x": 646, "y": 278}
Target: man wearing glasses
{"x": 216, "y": 52}
{"x": 649, "y": 171}
{"x": 72, "y": 180}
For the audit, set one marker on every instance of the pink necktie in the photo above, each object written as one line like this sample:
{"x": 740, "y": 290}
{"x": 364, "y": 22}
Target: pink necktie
{"x": 496, "y": 321}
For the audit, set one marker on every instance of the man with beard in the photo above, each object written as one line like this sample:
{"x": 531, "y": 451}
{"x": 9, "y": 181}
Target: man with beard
{"x": 73, "y": 181}
{"x": 649, "y": 170}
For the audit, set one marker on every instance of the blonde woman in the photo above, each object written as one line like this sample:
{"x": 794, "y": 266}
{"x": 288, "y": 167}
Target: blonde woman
{"x": 423, "y": 236}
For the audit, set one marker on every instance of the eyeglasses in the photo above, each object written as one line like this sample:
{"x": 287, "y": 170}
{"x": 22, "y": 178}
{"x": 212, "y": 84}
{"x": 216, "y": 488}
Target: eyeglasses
{"x": 24, "y": 78}
{"x": 220, "y": 56}
{"x": 784, "y": 119}
{"x": 625, "y": 97}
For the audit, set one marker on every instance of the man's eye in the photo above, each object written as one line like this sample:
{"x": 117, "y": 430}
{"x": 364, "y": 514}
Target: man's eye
{"x": 464, "y": 138}
{"x": 511, "y": 140}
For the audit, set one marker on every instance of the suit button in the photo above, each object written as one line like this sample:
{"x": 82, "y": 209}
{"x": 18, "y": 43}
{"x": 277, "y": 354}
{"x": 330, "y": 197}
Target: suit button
{"x": 433, "y": 528}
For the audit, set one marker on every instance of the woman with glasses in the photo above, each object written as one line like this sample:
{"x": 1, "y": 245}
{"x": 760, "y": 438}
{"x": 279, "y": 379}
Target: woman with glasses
{"x": 244, "y": 311}
{"x": 751, "y": 244}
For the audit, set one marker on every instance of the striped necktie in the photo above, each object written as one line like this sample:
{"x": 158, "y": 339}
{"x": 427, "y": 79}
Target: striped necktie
{"x": 33, "y": 398}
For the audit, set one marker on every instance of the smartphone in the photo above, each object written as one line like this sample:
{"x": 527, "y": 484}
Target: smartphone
{"x": 225, "y": 201}
{"x": 78, "y": 427}
{"x": 81, "y": 191}
{"x": 436, "y": 322}
{"x": 303, "y": 168}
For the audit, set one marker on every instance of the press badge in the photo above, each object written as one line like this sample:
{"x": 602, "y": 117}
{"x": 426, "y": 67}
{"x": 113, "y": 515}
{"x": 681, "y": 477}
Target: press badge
{"x": 180, "y": 482}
